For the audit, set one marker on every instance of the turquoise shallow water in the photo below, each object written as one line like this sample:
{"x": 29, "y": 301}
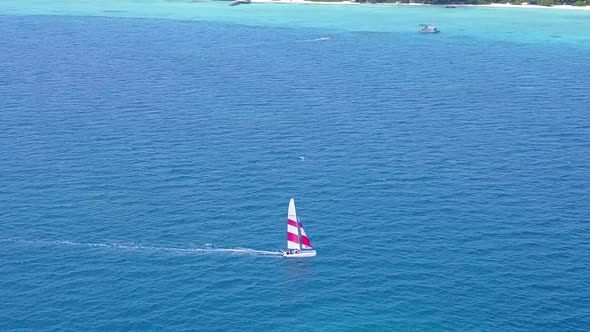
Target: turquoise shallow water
{"x": 518, "y": 24}
{"x": 148, "y": 151}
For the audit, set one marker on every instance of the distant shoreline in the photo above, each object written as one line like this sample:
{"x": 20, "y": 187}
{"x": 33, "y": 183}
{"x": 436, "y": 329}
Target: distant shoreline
{"x": 492, "y": 5}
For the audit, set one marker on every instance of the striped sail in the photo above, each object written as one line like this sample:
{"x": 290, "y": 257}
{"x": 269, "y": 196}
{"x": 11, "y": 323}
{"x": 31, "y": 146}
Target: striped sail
{"x": 305, "y": 244}
{"x": 292, "y": 231}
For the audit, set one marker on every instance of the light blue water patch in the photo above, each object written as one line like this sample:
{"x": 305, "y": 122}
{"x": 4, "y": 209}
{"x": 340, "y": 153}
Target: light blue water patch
{"x": 146, "y": 166}
{"x": 508, "y": 24}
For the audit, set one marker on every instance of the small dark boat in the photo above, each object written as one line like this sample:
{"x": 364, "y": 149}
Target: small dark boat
{"x": 239, "y": 2}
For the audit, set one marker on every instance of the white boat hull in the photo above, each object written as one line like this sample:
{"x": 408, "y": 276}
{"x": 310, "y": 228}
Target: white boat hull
{"x": 299, "y": 254}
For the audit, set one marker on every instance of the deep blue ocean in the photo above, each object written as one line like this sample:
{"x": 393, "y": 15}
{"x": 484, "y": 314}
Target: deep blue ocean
{"x": 443, "y": 179}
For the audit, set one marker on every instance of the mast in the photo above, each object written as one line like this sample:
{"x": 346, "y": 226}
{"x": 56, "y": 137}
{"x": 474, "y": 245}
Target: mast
{"x": 299, "y": 229}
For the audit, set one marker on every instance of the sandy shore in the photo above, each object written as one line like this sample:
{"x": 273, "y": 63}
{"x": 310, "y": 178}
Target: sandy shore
{"x": 493, "y": 5}
{"x": 506, "y": 5}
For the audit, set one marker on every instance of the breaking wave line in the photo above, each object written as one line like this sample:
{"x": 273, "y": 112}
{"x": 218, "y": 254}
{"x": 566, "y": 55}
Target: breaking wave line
{"x": 284, "y": 42}
{"x": 138, "y": 247}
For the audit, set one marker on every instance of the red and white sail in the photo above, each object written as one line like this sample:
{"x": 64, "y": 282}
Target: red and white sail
{"x": 296, "y": 237}
{"x": 292, "y": 229}
{"x": 305, "y": 244}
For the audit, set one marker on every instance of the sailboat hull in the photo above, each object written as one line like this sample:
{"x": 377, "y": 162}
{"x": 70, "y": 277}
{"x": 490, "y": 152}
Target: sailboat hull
{"x": 299, "y": 254}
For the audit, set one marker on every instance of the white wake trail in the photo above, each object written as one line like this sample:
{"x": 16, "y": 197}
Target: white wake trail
{"x": 314, "y": 39}
{"x": 138, "y": 247}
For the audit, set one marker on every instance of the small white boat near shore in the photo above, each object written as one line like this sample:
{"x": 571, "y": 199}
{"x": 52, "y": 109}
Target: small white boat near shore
{"x": 298, "y": 244}
{"x": 428, "y": 28}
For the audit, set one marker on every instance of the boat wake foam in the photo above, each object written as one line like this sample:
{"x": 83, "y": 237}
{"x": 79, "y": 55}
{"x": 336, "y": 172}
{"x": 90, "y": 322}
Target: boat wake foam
{"x": 315, "y": 39}
{"x": 137, "y": 247}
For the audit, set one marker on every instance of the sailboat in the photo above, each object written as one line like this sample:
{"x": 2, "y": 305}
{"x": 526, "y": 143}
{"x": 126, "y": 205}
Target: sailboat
{"x": 298, "y": 245}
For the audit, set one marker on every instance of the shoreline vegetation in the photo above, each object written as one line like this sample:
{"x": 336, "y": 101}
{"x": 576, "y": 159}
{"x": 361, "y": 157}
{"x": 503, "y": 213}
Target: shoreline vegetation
{"x": 553, "y": 4}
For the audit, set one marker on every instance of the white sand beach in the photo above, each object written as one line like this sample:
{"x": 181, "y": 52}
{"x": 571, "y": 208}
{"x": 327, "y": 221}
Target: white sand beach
{"x": 507, "y": 5}
{"x": 493, "y": 5}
